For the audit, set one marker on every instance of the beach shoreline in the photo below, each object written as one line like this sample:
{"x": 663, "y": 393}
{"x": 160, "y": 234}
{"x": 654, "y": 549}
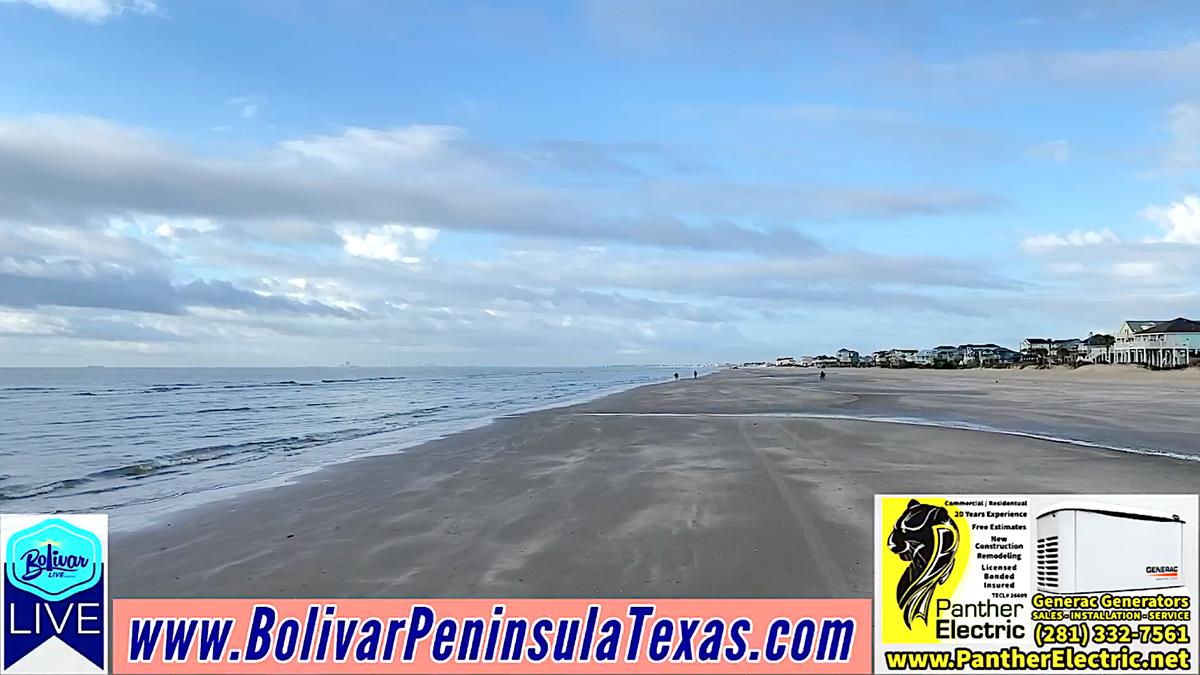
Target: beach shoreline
{"x": 140, "y": 443}
{"x": 699, "y": 488}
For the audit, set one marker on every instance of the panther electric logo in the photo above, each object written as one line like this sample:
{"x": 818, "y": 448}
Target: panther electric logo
{"x": 55, "y": 593}
{"x": 927, "y": 538}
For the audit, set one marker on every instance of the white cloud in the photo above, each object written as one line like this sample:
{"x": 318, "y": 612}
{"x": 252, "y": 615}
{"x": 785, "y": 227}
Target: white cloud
{"x": 1049, "y": 242}
{"x": 329, "y": 244}
{"x": 76, "y": 168}
{"x": 26, "y": 323}
{"x": 359, "y": 147}
{"x": 247, "y": 107}
{"x": 1142, "y": 270}
{"x": 394, "y": 243}
{"x": 1183, "y": 123}
{"x": 94, "y": 11}
{"x": 1180, "y": 220}
{"x": 1054, "y": 151}
{"x": 177, "y": 227}
{"x": 1067, "y": 268}
{"x": 1100, "y": 67}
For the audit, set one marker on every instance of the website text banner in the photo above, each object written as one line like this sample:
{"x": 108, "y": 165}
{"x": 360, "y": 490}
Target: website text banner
{"x": 1036, "y": 583}
{"x": 491, "y": 636}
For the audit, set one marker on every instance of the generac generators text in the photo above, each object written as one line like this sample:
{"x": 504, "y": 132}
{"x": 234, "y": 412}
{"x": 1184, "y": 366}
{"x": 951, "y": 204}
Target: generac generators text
{"x": 1110, "y": 601}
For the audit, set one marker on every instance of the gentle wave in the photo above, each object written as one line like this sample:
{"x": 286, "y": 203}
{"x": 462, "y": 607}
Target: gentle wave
{"x": 185, "y": 386}
{"x": 115, "y": 439}
{"x": 162, "y": 463}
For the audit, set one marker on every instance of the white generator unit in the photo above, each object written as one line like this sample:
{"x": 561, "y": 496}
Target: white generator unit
{"x": 1084, "y": 547}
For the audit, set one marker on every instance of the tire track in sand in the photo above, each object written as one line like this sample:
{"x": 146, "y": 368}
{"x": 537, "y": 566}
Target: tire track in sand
{"x": 821, "y": 556}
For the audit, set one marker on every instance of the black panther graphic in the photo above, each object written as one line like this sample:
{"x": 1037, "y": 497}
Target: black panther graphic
{"x": 925, "y": 536}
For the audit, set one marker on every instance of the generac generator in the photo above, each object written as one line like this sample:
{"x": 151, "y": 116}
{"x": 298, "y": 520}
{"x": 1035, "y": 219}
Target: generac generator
{"x": 1084, "y": 547}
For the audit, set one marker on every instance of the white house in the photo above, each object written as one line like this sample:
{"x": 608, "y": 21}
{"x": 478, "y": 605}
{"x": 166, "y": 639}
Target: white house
{"x": 1096, "y": 349}
{"x": 899, "y": 358}
{"x": 785, "y": 361}
{"x": 1130, "y": 327}
{"x": 1166, "y": 344}
{"x": 947, "y": 354}
{"x": 988, "y": 354}
{"x": 1123, "y": 349}
{"x": 1050, "y": 350}
{"x": 941, "y": 354}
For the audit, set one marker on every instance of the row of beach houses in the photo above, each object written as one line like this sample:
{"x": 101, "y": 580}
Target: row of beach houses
{"x": 1154, "y": 344}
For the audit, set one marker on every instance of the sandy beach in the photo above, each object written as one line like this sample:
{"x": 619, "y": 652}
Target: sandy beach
{"x": 743, "y": 483}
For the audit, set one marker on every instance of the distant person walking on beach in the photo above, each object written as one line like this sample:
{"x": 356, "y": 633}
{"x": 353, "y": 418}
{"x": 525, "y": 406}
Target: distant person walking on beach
{"x": 676, "y": 377}
{"x": 695, "y": 374}
{"x": 822, "y": 376}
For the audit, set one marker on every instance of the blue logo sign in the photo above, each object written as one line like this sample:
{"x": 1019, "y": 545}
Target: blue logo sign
{"x": 53, "y": 559}
{"x": 53, "y": 593}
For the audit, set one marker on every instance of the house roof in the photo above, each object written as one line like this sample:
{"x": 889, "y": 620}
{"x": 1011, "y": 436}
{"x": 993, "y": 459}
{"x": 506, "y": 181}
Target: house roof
{"x": 1136, "y": 326}
{"x": 1097, "y": 340}
{"x": 945, "y": 347}
{"x": 1178, "y": 325}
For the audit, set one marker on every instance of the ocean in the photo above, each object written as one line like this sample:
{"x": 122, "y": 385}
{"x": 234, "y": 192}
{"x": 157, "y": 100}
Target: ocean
{"x": 138, "y": 442}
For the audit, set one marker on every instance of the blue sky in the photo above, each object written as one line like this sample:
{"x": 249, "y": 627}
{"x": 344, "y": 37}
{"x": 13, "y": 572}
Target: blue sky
{"x": 304, "y": 183}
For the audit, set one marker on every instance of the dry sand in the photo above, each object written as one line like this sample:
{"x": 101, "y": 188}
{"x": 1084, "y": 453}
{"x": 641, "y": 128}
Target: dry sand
{"x": 693, "y": 488}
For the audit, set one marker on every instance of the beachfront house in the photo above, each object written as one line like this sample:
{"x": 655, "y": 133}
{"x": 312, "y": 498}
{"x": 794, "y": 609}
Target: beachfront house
{"x": 1123, "y": 349}
{"x": 899, "y": 358}
{"x": 806, "y": 361}
{"x": 824, "y": 361}
{"x": 1097, "y": 348}
{"x": 987, "y": 355}
{"x": 785, "y": 361}
{"x": 947, "y": 355}
{"x": 1049, "y": 350}
{"x": 847, "y": 357}
{"x": 1166, "y": 344}
{"x": 1129, "y": 328}
{"x": 940, "y": 356}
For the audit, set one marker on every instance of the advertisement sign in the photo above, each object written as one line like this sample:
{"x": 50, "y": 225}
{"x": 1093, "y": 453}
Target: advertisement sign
{"x": 1035, "y": 583}
{"x": 963, "y": 583}
{"x": 492, "y": 636}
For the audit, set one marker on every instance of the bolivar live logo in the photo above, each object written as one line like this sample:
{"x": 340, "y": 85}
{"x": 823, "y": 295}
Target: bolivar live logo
{"x": 55, "y": 593}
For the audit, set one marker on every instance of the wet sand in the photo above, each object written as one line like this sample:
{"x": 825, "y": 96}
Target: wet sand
{"x": 700, "y": 488}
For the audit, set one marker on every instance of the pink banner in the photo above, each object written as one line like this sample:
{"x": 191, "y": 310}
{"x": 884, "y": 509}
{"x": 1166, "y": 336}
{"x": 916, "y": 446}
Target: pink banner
{"x": 491, "y": 636}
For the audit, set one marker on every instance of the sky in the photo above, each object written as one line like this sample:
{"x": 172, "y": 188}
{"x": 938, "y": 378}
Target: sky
{"x": 273, "y": 183}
